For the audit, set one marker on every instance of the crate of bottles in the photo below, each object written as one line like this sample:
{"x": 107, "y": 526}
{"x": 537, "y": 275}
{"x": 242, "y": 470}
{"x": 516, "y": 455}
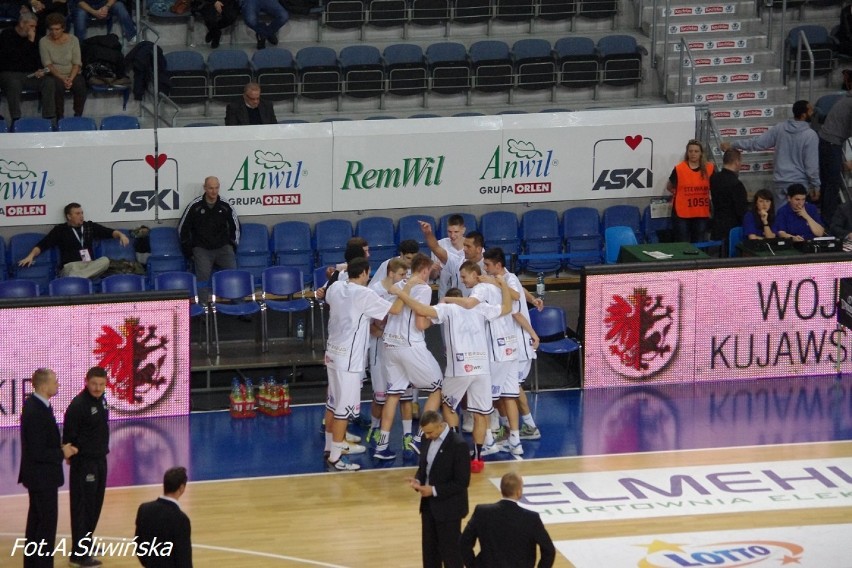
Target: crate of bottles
{"x": 273, "y": 399}
{"x": 242, "y": 400}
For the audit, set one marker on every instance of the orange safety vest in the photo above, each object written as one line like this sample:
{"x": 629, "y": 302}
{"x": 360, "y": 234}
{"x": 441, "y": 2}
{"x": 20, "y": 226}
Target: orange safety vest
{"x": 692, "y": 194}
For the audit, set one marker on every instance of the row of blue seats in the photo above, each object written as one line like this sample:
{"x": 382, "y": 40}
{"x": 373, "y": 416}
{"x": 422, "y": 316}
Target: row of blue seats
{"x": 71, "y": 124}
{"x": 405, "y": 69}
{"x": 295, "y": 243}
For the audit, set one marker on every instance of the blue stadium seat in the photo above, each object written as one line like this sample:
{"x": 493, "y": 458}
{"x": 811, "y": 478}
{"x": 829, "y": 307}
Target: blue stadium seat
{"x": 408, "y": 227}
{"x": 342, "y": 14}
{"x": 330, "y": 236}
{"x": 577, "y": 63}
{"x": 379, "y": 233}
{"x": 112, "y": 249}
{"x": 388, "y": 13}
{"x": 550, "y": 324}
{"x": 431, "y": 13}
{"x": 118, "y": 283}
{"x": 33, "y": 124}
{"x": 534, "y": 63}
{"x": 449, "y": 68}
{"x": 621, "y": 60}
{"x": 120, "y": 122}
{"x": 188, "y": 77}
{"x": 70, "y": 286}
{"x": 181, "y": 280}
{"x": 291, "y": 246}
{"x": 540, "y": 233}
{"x": 42, "y": 269}
{"x": 253, "y": 249}
{"x": 3, "y": 128}
{"x": 556, "y": 10}
{"x": 19, "y": 288}
{"x": 229, "y": 72}
{"x": 166, "y": 254}
{"x": 581, "y": 228}
{"x": 615, "y": 237}
{"x": 625, "y": 216}
{"x": 822, "y": 47}
{"x": 76, "y": 124}
{"x": 280, "y": 285}
{"x": 362, "y": 70}
{"x": 319, "y": 72}
{"x": 406, "y": 69}
{"x": 735, "y": 237}
{"x": 652, "y": 227}
{"x": 275, "y": 72}
{"x": 500, "y": 229}
{"x": 233, "y": 295}
{"x": 491, "y": 66}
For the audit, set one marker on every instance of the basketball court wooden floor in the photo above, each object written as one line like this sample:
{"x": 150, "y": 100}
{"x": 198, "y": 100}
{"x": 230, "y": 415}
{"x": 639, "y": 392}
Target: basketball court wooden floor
{"x": 721, "y": 474}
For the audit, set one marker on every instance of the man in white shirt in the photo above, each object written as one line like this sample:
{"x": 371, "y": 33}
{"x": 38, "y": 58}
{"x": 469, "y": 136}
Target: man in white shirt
{"x": 407, "y": 359}
{"x": 468, "y": 364}
{"x": 451, "y": 245}
{"x": 351, "y": 305}
{"x": 407, "y": 249}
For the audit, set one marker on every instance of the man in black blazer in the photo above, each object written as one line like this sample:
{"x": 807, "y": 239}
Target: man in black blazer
{"x": 250, "y": 110}
{"x": 507, "y": 532}
{"x": 161, "y": 522}
{"x": 442, "y": 480}
{"x": 41, "y": 465}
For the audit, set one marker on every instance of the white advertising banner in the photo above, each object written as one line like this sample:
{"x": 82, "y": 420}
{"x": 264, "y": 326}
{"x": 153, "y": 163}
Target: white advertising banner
{"x": 344, "y": 166}
{"x": 411, "y": 163}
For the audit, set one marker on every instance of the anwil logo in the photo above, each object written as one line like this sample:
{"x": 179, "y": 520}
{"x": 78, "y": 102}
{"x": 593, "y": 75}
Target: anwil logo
{"x": 20, "y": 182}
{"x": 274, "y": 173}
{"x": 528, "y": 163}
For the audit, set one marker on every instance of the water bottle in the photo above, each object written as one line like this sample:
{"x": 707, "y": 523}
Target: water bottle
{"x": 235, "y": 389}
{"x": 249, "y": 390}
{"x": 300, "y": 329}
{"x": 539, "y": 285}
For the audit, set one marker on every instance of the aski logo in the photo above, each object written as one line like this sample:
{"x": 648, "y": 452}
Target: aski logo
{"x": 623, "y": 163}
{"x": 641, "y": 328}
{"x": 138, "y": 360}
{"x": 662, "y": 554}
{"x": 131, "y": 181}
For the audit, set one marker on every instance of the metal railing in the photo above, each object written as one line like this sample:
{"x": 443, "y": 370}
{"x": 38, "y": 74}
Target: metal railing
{"x": 802, "y": 41}
{"x": 685, "y": 55}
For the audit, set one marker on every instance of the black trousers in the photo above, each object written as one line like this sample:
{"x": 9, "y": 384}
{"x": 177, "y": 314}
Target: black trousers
{"x": 440, "y": 541}
{"x": 42, "y": 517}
{"x": 87, "y": 485}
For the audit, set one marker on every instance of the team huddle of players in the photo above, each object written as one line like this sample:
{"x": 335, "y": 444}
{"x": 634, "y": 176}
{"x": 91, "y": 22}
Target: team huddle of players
{"x": 380, "y": 323}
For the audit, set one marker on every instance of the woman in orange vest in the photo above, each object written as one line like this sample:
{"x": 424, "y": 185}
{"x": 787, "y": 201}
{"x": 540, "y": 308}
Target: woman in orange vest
{"x": 690, "y": 185}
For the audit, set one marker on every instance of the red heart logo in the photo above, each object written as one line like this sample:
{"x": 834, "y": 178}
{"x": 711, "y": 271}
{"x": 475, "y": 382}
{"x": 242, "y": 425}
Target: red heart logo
{"x": 157, "y": 162}
{"x": 633, "y": 141}
{"x": 468, "y": 368}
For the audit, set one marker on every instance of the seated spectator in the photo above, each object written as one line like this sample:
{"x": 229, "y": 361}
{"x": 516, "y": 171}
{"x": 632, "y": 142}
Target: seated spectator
{"x": 218, "y": 15}
{"x": 841, "y": 223}
{"x": 268, "y": 30}
{"x": 60, "y": 52}
{"x": 21, "y": 68}
{"x": 41, "y": 8}
{"x": 75, "y": 239}
{"x": 209, "y": 232}
{"x": 798, "y": 220}
{"x": 101, "y": 10}
{"x": 757, "y": 221}
{"x": 251, "y": 109}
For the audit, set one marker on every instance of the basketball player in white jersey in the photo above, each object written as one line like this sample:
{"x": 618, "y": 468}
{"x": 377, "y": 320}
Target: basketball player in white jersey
{"x": 451, "y": 245}
{"x": 407, "y": 249}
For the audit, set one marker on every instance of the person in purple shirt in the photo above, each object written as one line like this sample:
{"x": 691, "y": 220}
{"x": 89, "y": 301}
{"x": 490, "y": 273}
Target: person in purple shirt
{"x": 797, "y": 219}
{"x": 758, "y": 220}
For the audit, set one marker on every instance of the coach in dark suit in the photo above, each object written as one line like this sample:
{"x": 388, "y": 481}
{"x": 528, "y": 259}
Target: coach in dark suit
{"x": 251, "y": 109}
{"x": 442, "y": 480}
{"x": 507, "y": 533}
{"x": 161, "y": 521}
{"x": 41, "y": 465}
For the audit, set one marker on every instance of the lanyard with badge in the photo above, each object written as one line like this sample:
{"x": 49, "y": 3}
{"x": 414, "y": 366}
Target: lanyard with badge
{"x": 84, "y": 252}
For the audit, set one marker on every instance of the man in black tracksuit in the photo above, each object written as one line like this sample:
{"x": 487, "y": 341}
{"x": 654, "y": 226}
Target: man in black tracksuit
{"x": 86, "y": 428}
{"x": 209, "y": 232}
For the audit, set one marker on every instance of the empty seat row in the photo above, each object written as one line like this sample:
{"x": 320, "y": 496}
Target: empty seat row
{"x": 405, "y": 69}
{"x": 357, "y": 14}
{"x": 72, "y": 124}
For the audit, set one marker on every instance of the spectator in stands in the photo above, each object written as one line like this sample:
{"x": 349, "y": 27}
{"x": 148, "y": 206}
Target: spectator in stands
{"x": 758, "y": 221}
{"x": 690, "y": 185}
{"x": 796, "y": 151}
{"x": 797, "y": 219}
{"x": 218, "y": 15}
{"x": 844, "y": 31}
{"x": 60, "y": 52}
{"x": 836, "y": 128}
{"x": 42, "y": 8}
{"x": 209, "y": 231}
{"x": 75, "y": 239}
{"x": 21, "y": 68}
{"x": 264, "y": 31}
{"x": 101, "y": 10}
{"x": 729, "y": 197}
{"x": 841, "y": 223}
{"x": 251, "y": 109}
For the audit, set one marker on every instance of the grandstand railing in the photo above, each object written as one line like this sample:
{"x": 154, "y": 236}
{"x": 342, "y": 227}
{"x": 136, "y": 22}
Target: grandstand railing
{"x": 685, "y": 55}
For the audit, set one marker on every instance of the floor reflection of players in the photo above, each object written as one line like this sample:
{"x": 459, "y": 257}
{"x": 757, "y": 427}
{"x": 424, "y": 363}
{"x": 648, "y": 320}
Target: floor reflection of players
{"x": 141, "y": 450}
{"x": 640, "y": 421}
